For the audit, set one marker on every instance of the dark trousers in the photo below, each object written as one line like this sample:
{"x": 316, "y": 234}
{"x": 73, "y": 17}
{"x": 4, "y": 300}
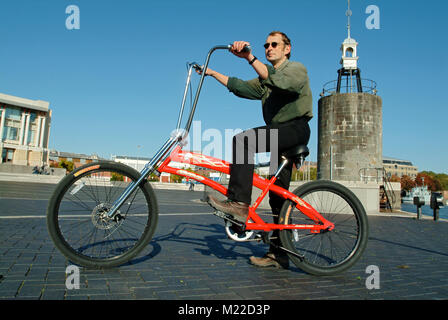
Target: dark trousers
{"x": 274, "y": 138}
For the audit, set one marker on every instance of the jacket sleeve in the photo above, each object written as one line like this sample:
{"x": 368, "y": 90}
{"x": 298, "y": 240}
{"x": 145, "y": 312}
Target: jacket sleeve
{"x": 251, "y": 89}
{"x": 291, "y": 79}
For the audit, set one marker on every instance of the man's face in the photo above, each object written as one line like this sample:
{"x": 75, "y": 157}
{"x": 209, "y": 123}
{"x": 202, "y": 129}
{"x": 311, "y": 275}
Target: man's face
{"x": 279, "y": 52}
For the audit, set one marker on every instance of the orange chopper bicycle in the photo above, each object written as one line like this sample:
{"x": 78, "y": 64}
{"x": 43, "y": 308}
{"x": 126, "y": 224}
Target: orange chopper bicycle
{"x": 103, "y": 214}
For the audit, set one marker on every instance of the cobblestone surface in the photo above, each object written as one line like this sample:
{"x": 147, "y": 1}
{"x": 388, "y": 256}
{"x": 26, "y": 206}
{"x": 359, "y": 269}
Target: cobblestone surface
{"x": 191, "y": 258}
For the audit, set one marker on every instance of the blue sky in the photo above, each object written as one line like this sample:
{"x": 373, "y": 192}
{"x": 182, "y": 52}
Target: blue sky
{"x": 117, "y": 82}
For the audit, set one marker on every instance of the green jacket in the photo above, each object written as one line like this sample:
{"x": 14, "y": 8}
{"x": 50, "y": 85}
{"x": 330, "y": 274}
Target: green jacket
{"x": 285, "y": 94}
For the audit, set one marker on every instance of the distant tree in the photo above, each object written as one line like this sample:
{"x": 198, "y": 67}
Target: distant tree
{"x": 442, "y": 178}
{"x": 67, "y": 165}
{"x": 153, "y": 177}
{"x": 395, "y": 178}
{"x": 425, "y": 179}
{"x": 298, "y": 175}
{"x": 175, "y": 178}
{"x": 116, "y": 177}
{"x": 407, "y": 183}
{"x": 54, "y": 164}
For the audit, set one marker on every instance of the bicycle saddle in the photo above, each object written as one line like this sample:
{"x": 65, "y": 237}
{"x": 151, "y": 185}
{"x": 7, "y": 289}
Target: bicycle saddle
{"x": 296, "y": 153}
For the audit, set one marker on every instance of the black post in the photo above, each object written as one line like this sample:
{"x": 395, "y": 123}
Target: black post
{"x": 436, "y": 214}
{"x": 436, "y": 203}
{"x": 338, "y": 85}
{"x": 358, "y": 80}
{"x": 419, "y": 203}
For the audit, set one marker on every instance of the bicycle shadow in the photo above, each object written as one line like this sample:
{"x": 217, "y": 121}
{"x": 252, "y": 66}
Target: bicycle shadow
{"x": 216, "y": 244}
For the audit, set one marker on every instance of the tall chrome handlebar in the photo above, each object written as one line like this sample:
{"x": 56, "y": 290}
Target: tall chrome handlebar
{"x": 172, "y": 141}
{"x": 198, "y": 91}
{"x": 201, "y": 81}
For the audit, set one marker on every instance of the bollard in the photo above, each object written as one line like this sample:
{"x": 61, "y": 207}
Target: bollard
{"x": 435, "y": 203}
{"x": 419, "y": 203}
{"x": 204, "y": 195}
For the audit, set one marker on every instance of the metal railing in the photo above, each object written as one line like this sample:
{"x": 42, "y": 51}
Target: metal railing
{"x": 375, "y": 174}
{"x": 380, "y": 175}
{"x": 368, "y": 86}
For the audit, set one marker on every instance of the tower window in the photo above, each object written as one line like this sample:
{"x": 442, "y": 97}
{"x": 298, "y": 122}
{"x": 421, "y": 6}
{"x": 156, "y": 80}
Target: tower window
{"x": 349, "y": 52}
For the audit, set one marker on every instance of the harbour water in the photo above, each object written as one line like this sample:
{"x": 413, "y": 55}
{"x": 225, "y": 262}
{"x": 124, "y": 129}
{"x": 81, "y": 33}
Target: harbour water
{"x": 426, "y": 210}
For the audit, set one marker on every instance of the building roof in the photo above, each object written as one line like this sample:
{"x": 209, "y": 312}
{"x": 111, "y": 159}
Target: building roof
{"x": 131, "y": 158}
{"x": 397, "y": 161}
{"x": 54, "y": 153}
{"x": 38, "y": 105}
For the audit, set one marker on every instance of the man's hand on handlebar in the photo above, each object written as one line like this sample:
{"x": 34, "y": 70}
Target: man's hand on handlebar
{"x": 209, "y": 72}
{"x": 240, "y": 49}
{"x": 199, "y": 69}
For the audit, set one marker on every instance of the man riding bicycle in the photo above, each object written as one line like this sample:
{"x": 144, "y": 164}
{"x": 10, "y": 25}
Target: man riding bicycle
{"x": 286, "y": 99}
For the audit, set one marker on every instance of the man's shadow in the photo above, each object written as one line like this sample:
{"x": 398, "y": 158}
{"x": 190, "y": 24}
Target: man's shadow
{"x": 217, "y": 244}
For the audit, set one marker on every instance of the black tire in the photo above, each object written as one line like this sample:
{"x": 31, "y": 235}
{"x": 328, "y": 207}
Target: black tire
{"x": 73, "y": 215}
{"x": 329, "y": 252}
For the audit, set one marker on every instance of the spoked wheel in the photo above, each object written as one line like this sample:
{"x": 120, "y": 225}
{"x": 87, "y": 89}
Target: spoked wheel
{"x": 328, "y": 252}
{"x": 77, "y": 215}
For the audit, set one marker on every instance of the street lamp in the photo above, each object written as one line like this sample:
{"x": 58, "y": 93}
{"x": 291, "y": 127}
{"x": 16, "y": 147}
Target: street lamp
{"x": 138, "y": 156}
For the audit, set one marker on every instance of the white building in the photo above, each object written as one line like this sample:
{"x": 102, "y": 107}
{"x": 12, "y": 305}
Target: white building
{"x": 135, "y": 162}
{"x": 138, "y": 164}
{"x": 24, "y": 130}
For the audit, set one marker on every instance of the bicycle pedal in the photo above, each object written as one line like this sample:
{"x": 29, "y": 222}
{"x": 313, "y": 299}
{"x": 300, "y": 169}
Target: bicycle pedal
{"x": 229, "y": 218}
{"x": 258, "y": 237}
{"x": 263, "y": 236}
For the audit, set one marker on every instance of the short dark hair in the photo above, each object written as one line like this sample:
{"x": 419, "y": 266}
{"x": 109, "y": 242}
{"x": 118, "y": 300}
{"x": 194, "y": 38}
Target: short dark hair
{"x": 285, "y": 39}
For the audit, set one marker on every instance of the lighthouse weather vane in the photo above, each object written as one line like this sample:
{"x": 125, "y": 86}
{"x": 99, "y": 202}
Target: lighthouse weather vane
{"x": 349, "y": 59}
{"x": 348, "y": 13}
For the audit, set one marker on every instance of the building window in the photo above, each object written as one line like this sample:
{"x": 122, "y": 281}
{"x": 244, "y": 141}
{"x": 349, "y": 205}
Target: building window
{"x": 10, "y": 133}
{"x": 349, "y": 52}
{"x": 31, "y": 136}
{"x": 33, "y": 117}
{"x": 7, "y": 155}
{"x": 13, "y": 114}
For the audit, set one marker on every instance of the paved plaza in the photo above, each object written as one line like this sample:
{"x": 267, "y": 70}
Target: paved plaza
{"x": 190, "y": 258}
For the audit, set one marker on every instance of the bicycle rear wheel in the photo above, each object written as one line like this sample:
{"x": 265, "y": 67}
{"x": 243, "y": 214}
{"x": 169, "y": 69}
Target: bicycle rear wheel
{"x": 328, "y": 252}
{"x": 77, "y": 221}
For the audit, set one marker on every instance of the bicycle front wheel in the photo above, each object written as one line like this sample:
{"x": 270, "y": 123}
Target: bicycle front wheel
{"x": 77, "y": 215}
{"x": 328, "y": 252}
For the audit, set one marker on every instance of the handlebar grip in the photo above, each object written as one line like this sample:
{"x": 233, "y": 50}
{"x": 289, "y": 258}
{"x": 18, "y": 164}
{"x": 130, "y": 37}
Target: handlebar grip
{"x": 245, "y": 49}
{"x": 197, "y": 67}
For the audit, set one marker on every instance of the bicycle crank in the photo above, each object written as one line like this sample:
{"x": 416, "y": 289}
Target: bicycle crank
{"x": 235, "y": 230}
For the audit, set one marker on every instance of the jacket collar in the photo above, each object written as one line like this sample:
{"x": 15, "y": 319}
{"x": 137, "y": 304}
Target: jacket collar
{"x": 283, "y": 65}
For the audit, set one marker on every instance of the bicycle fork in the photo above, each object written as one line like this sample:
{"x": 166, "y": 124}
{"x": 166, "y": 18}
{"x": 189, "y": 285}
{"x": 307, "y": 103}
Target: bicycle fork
{"x": 176, "y": 137}
{"x": 149, "y": 168}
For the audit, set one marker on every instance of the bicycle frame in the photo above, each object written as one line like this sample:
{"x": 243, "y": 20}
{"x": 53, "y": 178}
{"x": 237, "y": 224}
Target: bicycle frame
{"x": 200, "y": 160}
{"x": 172, "y": 151}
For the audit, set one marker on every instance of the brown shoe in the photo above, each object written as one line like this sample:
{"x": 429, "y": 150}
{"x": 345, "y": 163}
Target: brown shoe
{"x": 271, "y": 260}
{"x": 239, "y": 210}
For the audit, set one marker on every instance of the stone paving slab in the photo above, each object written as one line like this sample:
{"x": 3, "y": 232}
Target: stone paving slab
{"x": 190, "y": 258}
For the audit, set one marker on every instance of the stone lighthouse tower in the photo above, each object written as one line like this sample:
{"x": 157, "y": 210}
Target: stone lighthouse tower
{"x": 349, "y": 121}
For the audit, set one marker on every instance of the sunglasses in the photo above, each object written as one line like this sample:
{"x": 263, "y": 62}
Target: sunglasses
{"x": 273, "y": 44}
